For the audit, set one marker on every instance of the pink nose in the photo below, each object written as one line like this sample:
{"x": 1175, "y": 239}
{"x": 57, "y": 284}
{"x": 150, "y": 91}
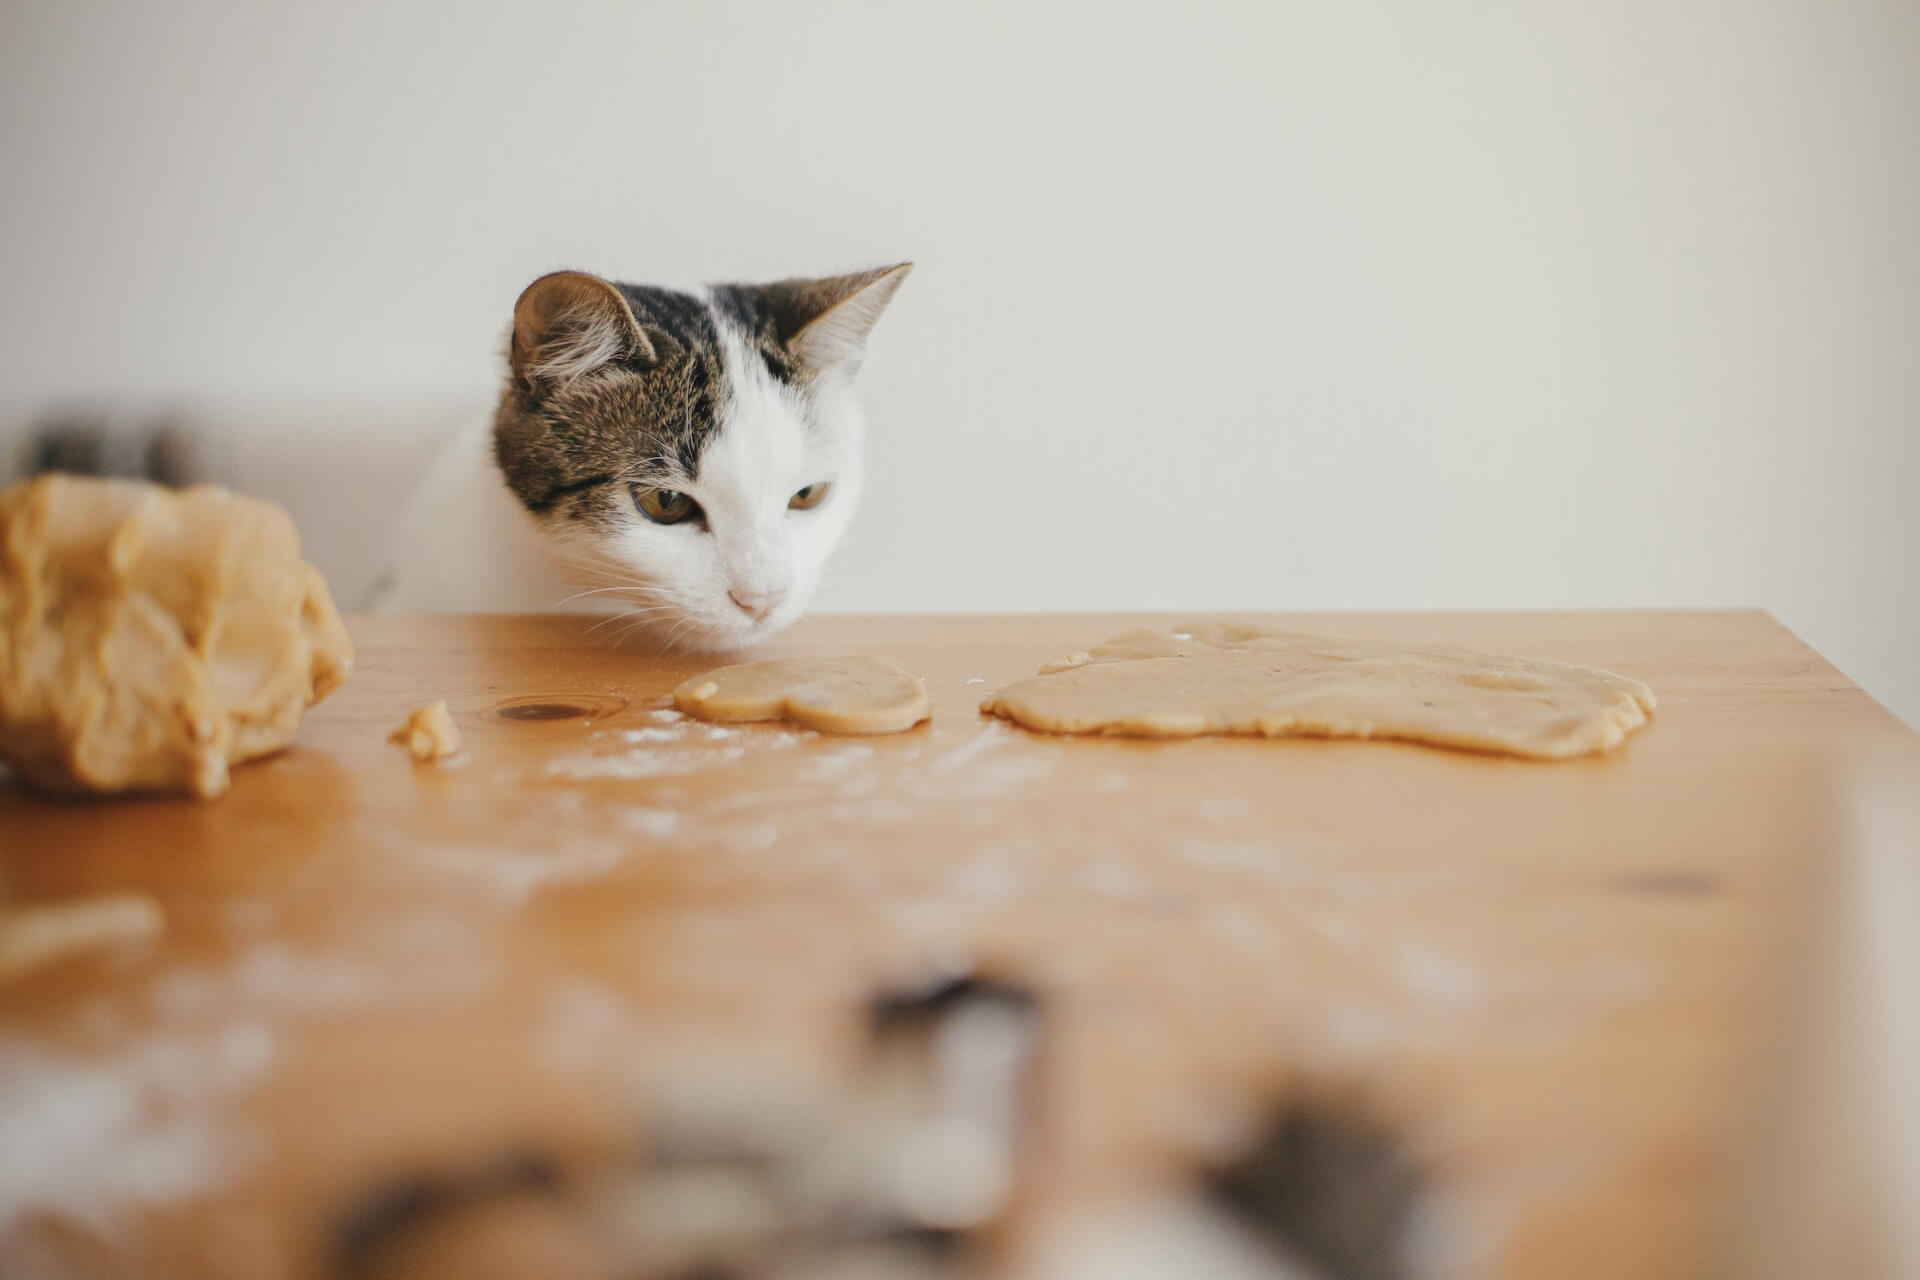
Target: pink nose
{"x": 757, "y": 604}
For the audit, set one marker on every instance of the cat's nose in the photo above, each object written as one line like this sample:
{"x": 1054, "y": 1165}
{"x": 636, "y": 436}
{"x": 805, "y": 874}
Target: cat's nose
{"x": 757, "y": 604}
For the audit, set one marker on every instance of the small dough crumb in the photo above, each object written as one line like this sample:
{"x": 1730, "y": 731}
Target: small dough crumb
{"x": 151, "y": 638}
{"x": 429, "y": 732}
{"x": 32, "y": 937}
{"x": 1229, "y": 679}
{"x": 834, "y": 695}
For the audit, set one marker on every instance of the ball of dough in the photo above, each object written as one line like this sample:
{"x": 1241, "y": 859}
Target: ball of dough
{"x": 150, "y": 638}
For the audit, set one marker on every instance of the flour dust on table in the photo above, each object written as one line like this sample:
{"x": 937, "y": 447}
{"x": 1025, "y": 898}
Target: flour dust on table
{"x": 685, "y": 462}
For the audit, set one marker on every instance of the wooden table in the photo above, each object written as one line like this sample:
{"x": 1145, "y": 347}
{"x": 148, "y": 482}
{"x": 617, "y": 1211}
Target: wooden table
{"x": 1548, "y": 975}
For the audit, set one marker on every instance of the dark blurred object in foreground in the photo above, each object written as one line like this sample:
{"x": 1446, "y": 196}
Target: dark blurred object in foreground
{"x": 900, "y": 1172}
{"x": 154, "y": 447}
{"x": 1325, "y": 1184}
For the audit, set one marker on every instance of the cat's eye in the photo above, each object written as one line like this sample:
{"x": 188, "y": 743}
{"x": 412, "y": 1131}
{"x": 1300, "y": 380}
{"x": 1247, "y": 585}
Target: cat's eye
{"x": 665, "y": 506}
{"x": 811, "y": 496}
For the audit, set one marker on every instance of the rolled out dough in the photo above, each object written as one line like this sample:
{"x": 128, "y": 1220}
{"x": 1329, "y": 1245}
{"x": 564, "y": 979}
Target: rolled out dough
{"x": 428, "y": 732}
{"x": 1227, "y": 679}
{"x": 150, "y": 637}
{"x": 834, "y": 695}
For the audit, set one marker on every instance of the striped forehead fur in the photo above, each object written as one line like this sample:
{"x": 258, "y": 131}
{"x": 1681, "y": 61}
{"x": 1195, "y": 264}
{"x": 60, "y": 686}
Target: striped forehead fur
{"x": 568, "y": 444}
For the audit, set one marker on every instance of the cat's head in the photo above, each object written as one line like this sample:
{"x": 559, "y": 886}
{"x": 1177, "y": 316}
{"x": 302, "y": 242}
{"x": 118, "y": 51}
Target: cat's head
{"x": 693, "y": 459}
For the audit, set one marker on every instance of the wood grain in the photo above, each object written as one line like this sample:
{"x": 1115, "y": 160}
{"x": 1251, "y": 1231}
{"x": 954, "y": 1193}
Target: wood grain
{"x": 1544, "y": 973}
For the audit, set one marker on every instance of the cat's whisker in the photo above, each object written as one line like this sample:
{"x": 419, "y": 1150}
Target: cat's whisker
{"x": 620, "y": 636}
{"x": 607, "y": 621}
{"x": 638, "y": 620}
{"x": 658, "y": 645}
{"x": 672, "y": 643}
{"x": 603, "y": 584}
{"x": 599, "y": 602}
{"x": 637, "y": 616}
{"x": 631, "y": 621}
{"x": 626, "y": 588}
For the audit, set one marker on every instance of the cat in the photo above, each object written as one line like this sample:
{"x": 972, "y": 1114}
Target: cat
{"x": 687, "y": 461}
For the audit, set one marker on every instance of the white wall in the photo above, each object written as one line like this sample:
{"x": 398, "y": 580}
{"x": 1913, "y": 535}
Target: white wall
{"x": 1219, "y": 305}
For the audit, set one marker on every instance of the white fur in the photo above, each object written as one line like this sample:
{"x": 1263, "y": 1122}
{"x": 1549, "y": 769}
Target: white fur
{"x": 467, "y": 545}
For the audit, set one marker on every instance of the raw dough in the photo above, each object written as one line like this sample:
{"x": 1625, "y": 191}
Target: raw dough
{"x": 834, "y": 695}
{"x": 34, "y": 936}
{"x": 150, "y": 637}
{"x": 429, "y": 732}
{"x": 1250, "y": 680}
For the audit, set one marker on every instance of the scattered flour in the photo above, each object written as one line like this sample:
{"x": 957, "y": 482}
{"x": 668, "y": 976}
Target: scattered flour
{"x": 278, "y": 976}
{"x": 151, "y": 1120}
{"x": 992, "y": 734}
{"x": 513, "y": 877}
{"x": 417, "y": 958}
{"x": 785, "y": 737}
{"x": 640, "y": 764}
{"x": 636, "y": 736}
{"x": 823, "y": 766}
{"x": 988, "y": 877}
{"x": 1337, "y": 929}
{"x": 928, "y": 924}
{"x": 1239, "y": 927}
{"x": 1271, "y": 862}
{"x": 756, "y": 837}
{"x": 998, "y": 777}
{"x": 1437, "y": 976}
{"x": 873, "y": 813}
{"x": 91, "y": 1139}
{"x": 249, "y": 916}
{"x": 1220, "y": 808}
{"x": 855, "y": 788}
{"x": 583, "y": 1025}
{"x": 270, "y": 977}
{"x": 1149, "y": 1237}
{"x": 1112, "y": 878}
{"x": 1356, "y": 1030}
{"x": 649, "y": 822}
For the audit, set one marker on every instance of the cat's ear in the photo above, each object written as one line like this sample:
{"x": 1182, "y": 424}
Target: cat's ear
{"x": 825, "y": 323}
{"x": 568, "y": 324}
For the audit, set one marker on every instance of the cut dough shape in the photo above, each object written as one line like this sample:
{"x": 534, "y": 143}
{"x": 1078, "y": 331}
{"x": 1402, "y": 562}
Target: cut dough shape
{"x": 150, "y": 638}
{"x": 31, "y": 937}
{"x": 834, "y": 695}
{"x": 1227, "y": 679}
{"x": 429, "y": 732}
